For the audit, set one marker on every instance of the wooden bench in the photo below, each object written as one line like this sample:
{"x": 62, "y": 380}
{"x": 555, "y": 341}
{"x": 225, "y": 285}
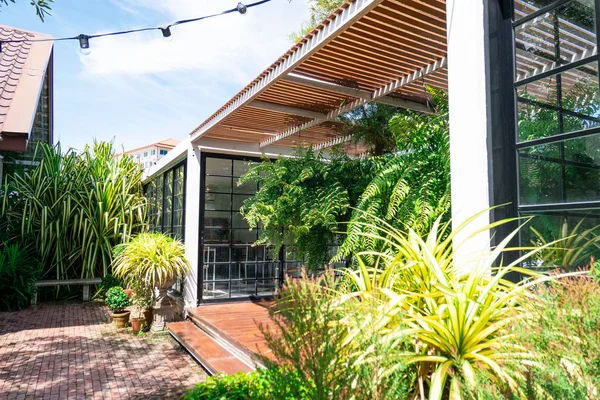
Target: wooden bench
{"x": 67, "y": 282}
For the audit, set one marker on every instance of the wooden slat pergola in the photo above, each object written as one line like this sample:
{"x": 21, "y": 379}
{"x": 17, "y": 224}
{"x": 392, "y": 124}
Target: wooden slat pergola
{"x": 368, "y": 50}
{"x": 385, "y": 51}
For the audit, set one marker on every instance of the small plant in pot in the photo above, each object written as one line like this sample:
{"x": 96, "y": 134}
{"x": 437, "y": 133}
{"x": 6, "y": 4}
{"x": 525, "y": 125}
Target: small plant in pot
{"x": 116, "y": 299}
{"x": 141, "y": 300}
{"x": 157, "y": 260}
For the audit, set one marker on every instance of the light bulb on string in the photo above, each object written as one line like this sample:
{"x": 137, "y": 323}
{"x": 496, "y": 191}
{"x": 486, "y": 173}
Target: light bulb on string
{"x": 166, "y": 33}
{"x": 84, "y": 44}
{"x": 242, "y": 9}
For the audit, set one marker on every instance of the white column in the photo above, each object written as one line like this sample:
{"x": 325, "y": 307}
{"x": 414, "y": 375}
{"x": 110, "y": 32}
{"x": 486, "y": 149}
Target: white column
{"x": 468, "y": 123}
{"x": 192, "y": 227}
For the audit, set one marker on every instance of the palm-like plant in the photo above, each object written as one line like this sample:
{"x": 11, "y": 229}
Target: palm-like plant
{"x": 458, "y": 318}
{"x": 156, "y": 260}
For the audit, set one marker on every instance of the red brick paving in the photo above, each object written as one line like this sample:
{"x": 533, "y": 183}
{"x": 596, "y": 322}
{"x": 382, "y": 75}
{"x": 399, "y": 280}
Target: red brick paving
{"x": 72, "y": 351}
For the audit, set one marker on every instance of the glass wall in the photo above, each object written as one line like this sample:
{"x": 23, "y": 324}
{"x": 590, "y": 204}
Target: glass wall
{"x": 231, "y": 266}
{"x": 166, "y": 200}
{"x": 166, "y": 211}
{"x": 557, "y": 92}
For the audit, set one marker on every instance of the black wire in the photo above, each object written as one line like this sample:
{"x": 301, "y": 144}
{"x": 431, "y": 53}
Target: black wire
{"x": 180, "y": 22}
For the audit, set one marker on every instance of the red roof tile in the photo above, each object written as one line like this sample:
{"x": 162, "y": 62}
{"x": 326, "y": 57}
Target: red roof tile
{"x": 16, "y": 61}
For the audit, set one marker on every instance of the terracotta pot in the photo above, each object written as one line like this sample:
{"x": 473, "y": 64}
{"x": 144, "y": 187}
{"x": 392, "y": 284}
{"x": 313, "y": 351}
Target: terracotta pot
{"x": 148, "y": 314}
{"x": 120, "y": 319}
{"x": 128, "y": 292}
{"x": 136, "y": 324}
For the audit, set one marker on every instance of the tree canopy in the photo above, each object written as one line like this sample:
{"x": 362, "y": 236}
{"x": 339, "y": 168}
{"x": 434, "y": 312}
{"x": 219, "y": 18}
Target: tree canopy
{"x": 42, "y": 7}
{"x": 319, "y": 10}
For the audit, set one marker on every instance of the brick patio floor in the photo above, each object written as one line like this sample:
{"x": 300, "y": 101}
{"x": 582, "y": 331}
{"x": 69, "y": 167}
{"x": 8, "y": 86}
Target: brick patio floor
{"x": 72, "y": 351}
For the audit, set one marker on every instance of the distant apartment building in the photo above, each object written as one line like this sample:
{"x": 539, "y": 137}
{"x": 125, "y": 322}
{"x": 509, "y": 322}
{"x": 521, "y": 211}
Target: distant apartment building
{"x": 148, "y": 155}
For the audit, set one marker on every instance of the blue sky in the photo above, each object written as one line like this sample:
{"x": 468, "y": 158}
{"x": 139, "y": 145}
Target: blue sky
{"x": 139, "y": 89}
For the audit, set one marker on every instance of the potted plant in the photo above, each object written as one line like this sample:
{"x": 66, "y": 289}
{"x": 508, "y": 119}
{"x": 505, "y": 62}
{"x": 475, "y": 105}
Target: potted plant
{"x": 157, "y": 260}
{"x": 141, "y": 299}
{"x": 117, "y": 300}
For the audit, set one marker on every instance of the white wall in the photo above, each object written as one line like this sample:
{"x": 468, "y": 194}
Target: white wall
{"x": 468, "y": 123}
{"x": 192, "y": 221}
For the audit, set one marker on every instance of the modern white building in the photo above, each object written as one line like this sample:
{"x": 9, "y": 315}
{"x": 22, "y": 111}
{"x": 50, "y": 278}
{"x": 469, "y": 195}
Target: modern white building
{"x": 150, "y": 154}
{"x": 523, "y": 84}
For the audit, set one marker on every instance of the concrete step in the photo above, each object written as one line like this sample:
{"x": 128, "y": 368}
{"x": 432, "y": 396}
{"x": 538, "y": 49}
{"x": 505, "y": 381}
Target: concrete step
{"x": 209, "y": 353}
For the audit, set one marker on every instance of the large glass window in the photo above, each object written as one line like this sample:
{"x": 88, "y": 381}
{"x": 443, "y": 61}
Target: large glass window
{"x": 232, "y": 266}
{"x": 557, "y": 90}
{"x": 166, "y": 206}
{"x": 166, "y": 200}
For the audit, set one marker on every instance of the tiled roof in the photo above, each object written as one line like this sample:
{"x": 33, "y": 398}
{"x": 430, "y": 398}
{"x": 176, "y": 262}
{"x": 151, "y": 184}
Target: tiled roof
{"x": 19, "y": 62}
{"x": 12, "y": 61}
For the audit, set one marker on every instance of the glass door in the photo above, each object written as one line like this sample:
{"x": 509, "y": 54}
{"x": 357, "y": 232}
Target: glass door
{"x": 231, "y": 266}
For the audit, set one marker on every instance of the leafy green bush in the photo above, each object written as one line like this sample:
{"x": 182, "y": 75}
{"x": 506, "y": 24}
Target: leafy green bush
{"x": 280, "y": 384}
{"x": 18, "y": 274}
{"x": 116, "y": 299}
{"x": 108, "y": 281}
{"x": 564, "y": 335}
{"x": 310, "y": 341}
{"x": 234, "y": 387}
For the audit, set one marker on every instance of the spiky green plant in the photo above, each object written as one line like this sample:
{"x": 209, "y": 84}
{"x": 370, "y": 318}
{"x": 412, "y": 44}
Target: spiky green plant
{"x": 76, "y": 207}
{"x": 574, "y": 247}
{"x": 457, "y": 317}
{"x": 153, "y": 258}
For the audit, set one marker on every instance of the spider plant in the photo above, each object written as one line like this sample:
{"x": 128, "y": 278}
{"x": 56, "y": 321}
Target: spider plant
{"x": 155, "y": 259}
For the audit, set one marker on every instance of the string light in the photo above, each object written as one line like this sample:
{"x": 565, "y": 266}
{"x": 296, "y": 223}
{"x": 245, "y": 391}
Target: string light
{"x": 84, "y": 44}
{"x": 84, "y": 40}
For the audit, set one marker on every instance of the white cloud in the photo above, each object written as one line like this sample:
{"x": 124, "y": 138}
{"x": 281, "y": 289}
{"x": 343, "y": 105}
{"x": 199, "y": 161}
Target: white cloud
{"x": 234, "y": 48}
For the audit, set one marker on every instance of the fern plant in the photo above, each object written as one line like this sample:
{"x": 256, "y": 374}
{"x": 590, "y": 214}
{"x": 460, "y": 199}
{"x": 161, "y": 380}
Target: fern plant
{"x": 303, "y": 200}
{"x": 411, "y": 188}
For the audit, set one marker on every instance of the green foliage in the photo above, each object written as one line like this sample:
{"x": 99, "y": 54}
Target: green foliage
{"x": 143, "y": 296}
{"x": 76, "y": 207}
{"x": 152, "y": 258}
{"x": 258, "y": 385}
{"x": 411, "y": 188}
{"x": 116, "y": 299}
{"x": 309, "y": 341}
{"x": 319, "y": 10}
{"x": 18, "y": 274}
{"x": 455, "y": 315}
{"x": 370, "y": 125}
{"x": 564, "y": 334}
{"x": 573, "y": 249}
{"x": 42, "y": 7}
{"x": 306, "y": 340}
{"x": 108, "y": 281}
{"x": 303, "y": 200}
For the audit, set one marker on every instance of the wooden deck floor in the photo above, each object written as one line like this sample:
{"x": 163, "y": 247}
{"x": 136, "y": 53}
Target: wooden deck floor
{"x": 238, "y": 323}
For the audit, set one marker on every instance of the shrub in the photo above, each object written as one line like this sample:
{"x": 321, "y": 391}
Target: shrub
{"x": 564, "y": 335}
{"x": 18, "y": 274}
{"x": 281, "y": 384}
{"x": 116, "y": 299}
{"x": 76, "y": 207}
{"x": 108, "y": 281}
{"x": 310, "y": 342}
{"x": 455, "y": 315}
{"x": 235, "y": 387}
